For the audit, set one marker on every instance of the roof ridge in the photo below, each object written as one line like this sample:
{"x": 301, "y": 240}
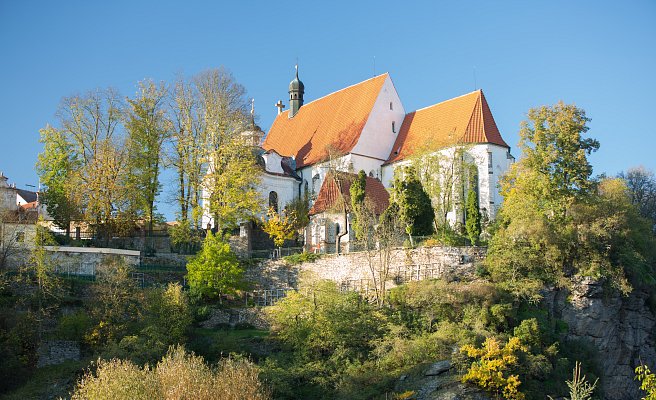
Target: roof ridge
{"x": 342, "y": 89}
{"x": 472, "y": 117}
{"x": 447, "y": 100}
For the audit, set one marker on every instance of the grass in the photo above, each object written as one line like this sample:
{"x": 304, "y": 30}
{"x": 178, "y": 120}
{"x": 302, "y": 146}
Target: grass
{"x": 50, "y": 382}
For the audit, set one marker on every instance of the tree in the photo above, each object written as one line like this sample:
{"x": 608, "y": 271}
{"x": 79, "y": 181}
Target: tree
{"x": 358, "y": 192}
{"x": 555, "y": 220}
{"x": 279, "y": 227}
{"x": 232, "y": 171}
{"x": 147, "y": 128}
{"x": 415, "y": 209}
{"x": 215, "y": 270}
{"x": 473, "y": 221}
{"x": 187, "y": 152}
{"x": 170, "y": 313}
{"x": 56, "y": 166}
{"x": 642, "y": 188}
{"x": 91, "y": 181}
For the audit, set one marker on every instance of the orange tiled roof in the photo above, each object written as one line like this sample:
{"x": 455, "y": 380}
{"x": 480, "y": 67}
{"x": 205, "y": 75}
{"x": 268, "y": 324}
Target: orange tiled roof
{"x": 335, "y": 120}
{"x": 464, "y": 119}
{"x": 329, "y": 193}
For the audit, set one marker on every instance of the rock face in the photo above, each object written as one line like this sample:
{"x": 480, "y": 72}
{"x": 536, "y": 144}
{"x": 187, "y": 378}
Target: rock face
{"x": 440, "y": 382}
{"x": 623, "y": 329}
{"x": 254, "y": 316}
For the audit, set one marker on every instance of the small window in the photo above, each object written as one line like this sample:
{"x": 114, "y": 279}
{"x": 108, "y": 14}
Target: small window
{"x": 489, "y": 161}
{"x": 273, "y": 201}
{"x": 391, "y": 106}
{"x": 393, "y": 126}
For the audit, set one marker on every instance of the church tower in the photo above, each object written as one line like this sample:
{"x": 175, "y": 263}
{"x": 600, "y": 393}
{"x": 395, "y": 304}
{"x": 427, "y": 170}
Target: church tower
{"x": 296, "y": 90}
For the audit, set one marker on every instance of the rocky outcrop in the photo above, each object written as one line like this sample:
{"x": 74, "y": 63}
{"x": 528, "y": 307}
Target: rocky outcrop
{"x": 623, "y": 330}
{"x": 439, "y": 382}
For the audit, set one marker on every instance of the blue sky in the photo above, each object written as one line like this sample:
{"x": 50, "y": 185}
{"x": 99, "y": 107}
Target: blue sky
{"x": 600, "y": 55}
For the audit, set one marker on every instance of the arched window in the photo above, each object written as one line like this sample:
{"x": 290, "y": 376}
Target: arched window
{"x": 273, "y": 200}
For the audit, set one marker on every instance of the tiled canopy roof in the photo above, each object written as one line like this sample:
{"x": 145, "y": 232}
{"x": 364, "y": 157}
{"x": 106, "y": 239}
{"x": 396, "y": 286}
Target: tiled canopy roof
{"x": 329, "y": 194}
{"x": 335, "y": 120}
{"x": 464, "y": 119}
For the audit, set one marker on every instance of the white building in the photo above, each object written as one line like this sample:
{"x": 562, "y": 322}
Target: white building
{"x": 365, "y": 127}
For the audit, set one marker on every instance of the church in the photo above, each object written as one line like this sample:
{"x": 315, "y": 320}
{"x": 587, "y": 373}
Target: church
{"x": 366, "y": 127}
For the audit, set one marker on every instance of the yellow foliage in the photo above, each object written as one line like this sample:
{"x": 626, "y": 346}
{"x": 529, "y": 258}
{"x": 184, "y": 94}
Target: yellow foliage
{"x": 491, "y": 366}
{"x": 279, "y": 227}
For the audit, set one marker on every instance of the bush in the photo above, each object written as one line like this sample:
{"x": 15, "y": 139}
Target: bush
{"x": 74, "y": 326}
{"x": 179, "y": 375}
{"x": 301, "y": 258}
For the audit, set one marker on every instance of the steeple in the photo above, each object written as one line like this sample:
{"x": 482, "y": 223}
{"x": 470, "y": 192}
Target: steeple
{"x": 296, "y": 90}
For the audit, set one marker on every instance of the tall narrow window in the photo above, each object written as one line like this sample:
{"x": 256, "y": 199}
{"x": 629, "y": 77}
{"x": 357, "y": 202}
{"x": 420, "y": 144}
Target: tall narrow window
{"x": 489, "y": 161}
{"x": 391, "y": 106}
{"x": 393, "y": 127}
{"x": 273, "y": 201}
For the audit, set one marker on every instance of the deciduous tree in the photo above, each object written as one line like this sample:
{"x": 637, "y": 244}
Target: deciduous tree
{"x": 215, "y": 270}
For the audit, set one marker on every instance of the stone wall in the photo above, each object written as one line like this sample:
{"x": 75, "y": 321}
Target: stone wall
{"x": 83, "y": 260}
{"x": 355, "y": 269}
{"x": 254, "y": 316}
{"x": 53, "y": 352}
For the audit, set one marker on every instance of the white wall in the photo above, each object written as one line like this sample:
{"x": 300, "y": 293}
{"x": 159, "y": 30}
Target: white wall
{"x": 377, "y": 137}
{"x": 488, "y": 178}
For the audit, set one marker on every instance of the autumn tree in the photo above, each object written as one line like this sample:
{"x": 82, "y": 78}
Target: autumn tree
{"x": 147, "y": 129}
{"x": 556, "y": 220}
{"x": 232, "y": 172}
{"x": 279, "y": 227}
{"x": 187, "y": 152}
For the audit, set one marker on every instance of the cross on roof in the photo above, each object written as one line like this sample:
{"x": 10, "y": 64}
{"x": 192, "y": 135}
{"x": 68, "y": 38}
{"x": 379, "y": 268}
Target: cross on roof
{"x": 280, "y": 106}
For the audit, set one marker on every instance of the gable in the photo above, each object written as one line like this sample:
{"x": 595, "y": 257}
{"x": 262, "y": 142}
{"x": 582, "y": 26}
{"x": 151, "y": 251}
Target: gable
{"x": 336, "y": 121}
{"x": 330, "y": 195}
{"x": 464, "y": 119}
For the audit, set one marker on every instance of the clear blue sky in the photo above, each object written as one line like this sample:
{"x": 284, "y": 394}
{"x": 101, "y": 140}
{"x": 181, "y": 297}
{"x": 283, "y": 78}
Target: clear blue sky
{"x": 600, "y": 55}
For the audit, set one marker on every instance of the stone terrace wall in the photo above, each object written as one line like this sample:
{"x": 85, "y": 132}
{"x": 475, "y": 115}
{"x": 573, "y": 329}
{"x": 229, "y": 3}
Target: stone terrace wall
{"x": 353, "y": 270}
{"x": 55, "y": 352}
{"x": 83, "y": 260}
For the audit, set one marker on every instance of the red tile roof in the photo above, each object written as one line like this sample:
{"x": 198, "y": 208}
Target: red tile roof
{"x": 329, "y": 194}
{"x": 335, "y": 120}
{"x": 464, "y": 119}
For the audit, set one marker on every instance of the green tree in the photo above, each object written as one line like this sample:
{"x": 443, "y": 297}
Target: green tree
{"x": 556, "y": 221}
{"x": 473, "y": 221}
{"x": 170, "y": 313}
{"x": 215, "y": 270}
{"x": 357, "y": 192}
{"x": 56, "y": 167}
{"x": 147, "y": 129}
{"x": 415, "y": 209}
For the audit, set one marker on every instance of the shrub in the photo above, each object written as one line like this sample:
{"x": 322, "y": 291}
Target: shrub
{"x": 301, "y": 258}
{"x": 74, "y": 326}
{"x": 179, "y": 375}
